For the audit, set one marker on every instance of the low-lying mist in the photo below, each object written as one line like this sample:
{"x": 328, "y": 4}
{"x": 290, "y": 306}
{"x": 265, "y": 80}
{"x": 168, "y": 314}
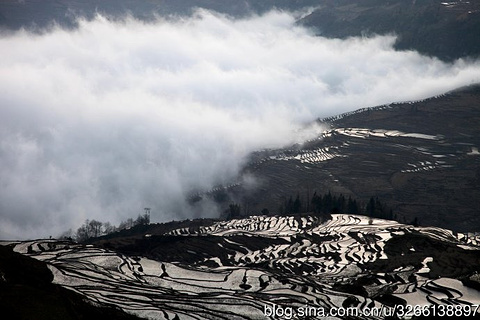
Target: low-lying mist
{"x": 114, "y": 116}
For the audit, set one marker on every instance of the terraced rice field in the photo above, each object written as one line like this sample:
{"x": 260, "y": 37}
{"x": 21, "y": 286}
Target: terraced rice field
{"x": 252, "y": 264}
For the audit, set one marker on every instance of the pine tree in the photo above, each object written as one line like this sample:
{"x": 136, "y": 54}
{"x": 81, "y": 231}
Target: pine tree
{"x": 316, "y": 203}
{"x": 370, "y": 211}
{"x": 297, "y": 205}
{"x": 289, "y": 206}
{"x": 234, "y": 211}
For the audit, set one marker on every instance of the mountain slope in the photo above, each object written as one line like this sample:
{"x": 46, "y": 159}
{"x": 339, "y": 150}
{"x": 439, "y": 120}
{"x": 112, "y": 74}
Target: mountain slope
{"x": 27, "y": 292}
{"x": 447, "y": 30}
{"x": 420, "y": 158}
{"x": 258, "y": 263}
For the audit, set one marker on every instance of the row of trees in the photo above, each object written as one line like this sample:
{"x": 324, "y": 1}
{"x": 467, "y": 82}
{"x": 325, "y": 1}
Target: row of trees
{"x": 325, "y": 204}
{"x": 377, "y": 209}
{"x": 94, "y": 228}
{"x": 328, "y": 203}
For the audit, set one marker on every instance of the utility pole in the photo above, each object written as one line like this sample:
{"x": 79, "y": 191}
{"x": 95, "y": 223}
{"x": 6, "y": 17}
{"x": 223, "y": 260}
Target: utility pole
{"x": 147, "y": 213}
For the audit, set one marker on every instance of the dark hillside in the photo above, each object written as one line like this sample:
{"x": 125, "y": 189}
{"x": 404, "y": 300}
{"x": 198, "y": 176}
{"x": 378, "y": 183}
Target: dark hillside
{"x": 420, "y": 158}
{"x": 447, "y": 30}
{"x": 27, "y": 292}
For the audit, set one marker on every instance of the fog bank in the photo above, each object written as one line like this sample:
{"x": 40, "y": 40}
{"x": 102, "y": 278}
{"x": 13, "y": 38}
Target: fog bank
{"x": 104, "y": 120}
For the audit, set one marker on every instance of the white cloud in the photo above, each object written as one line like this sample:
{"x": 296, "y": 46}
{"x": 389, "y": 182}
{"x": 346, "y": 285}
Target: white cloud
{"x": 103, "y": 120}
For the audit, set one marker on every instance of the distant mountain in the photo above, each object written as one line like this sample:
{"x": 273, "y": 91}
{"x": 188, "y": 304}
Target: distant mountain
{"x": 421, "y": 158}
{"x": 15, "y": 14}
{"x": 447, "y": 30}
{"x": 263, "y": 266}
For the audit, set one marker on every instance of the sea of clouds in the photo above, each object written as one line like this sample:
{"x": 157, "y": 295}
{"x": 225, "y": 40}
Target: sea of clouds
{"x": 114, "y": 116}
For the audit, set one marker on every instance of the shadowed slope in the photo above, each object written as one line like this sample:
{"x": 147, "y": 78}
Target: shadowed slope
{"x": 27, "y": 292}
{"x": 421, "y": 158}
